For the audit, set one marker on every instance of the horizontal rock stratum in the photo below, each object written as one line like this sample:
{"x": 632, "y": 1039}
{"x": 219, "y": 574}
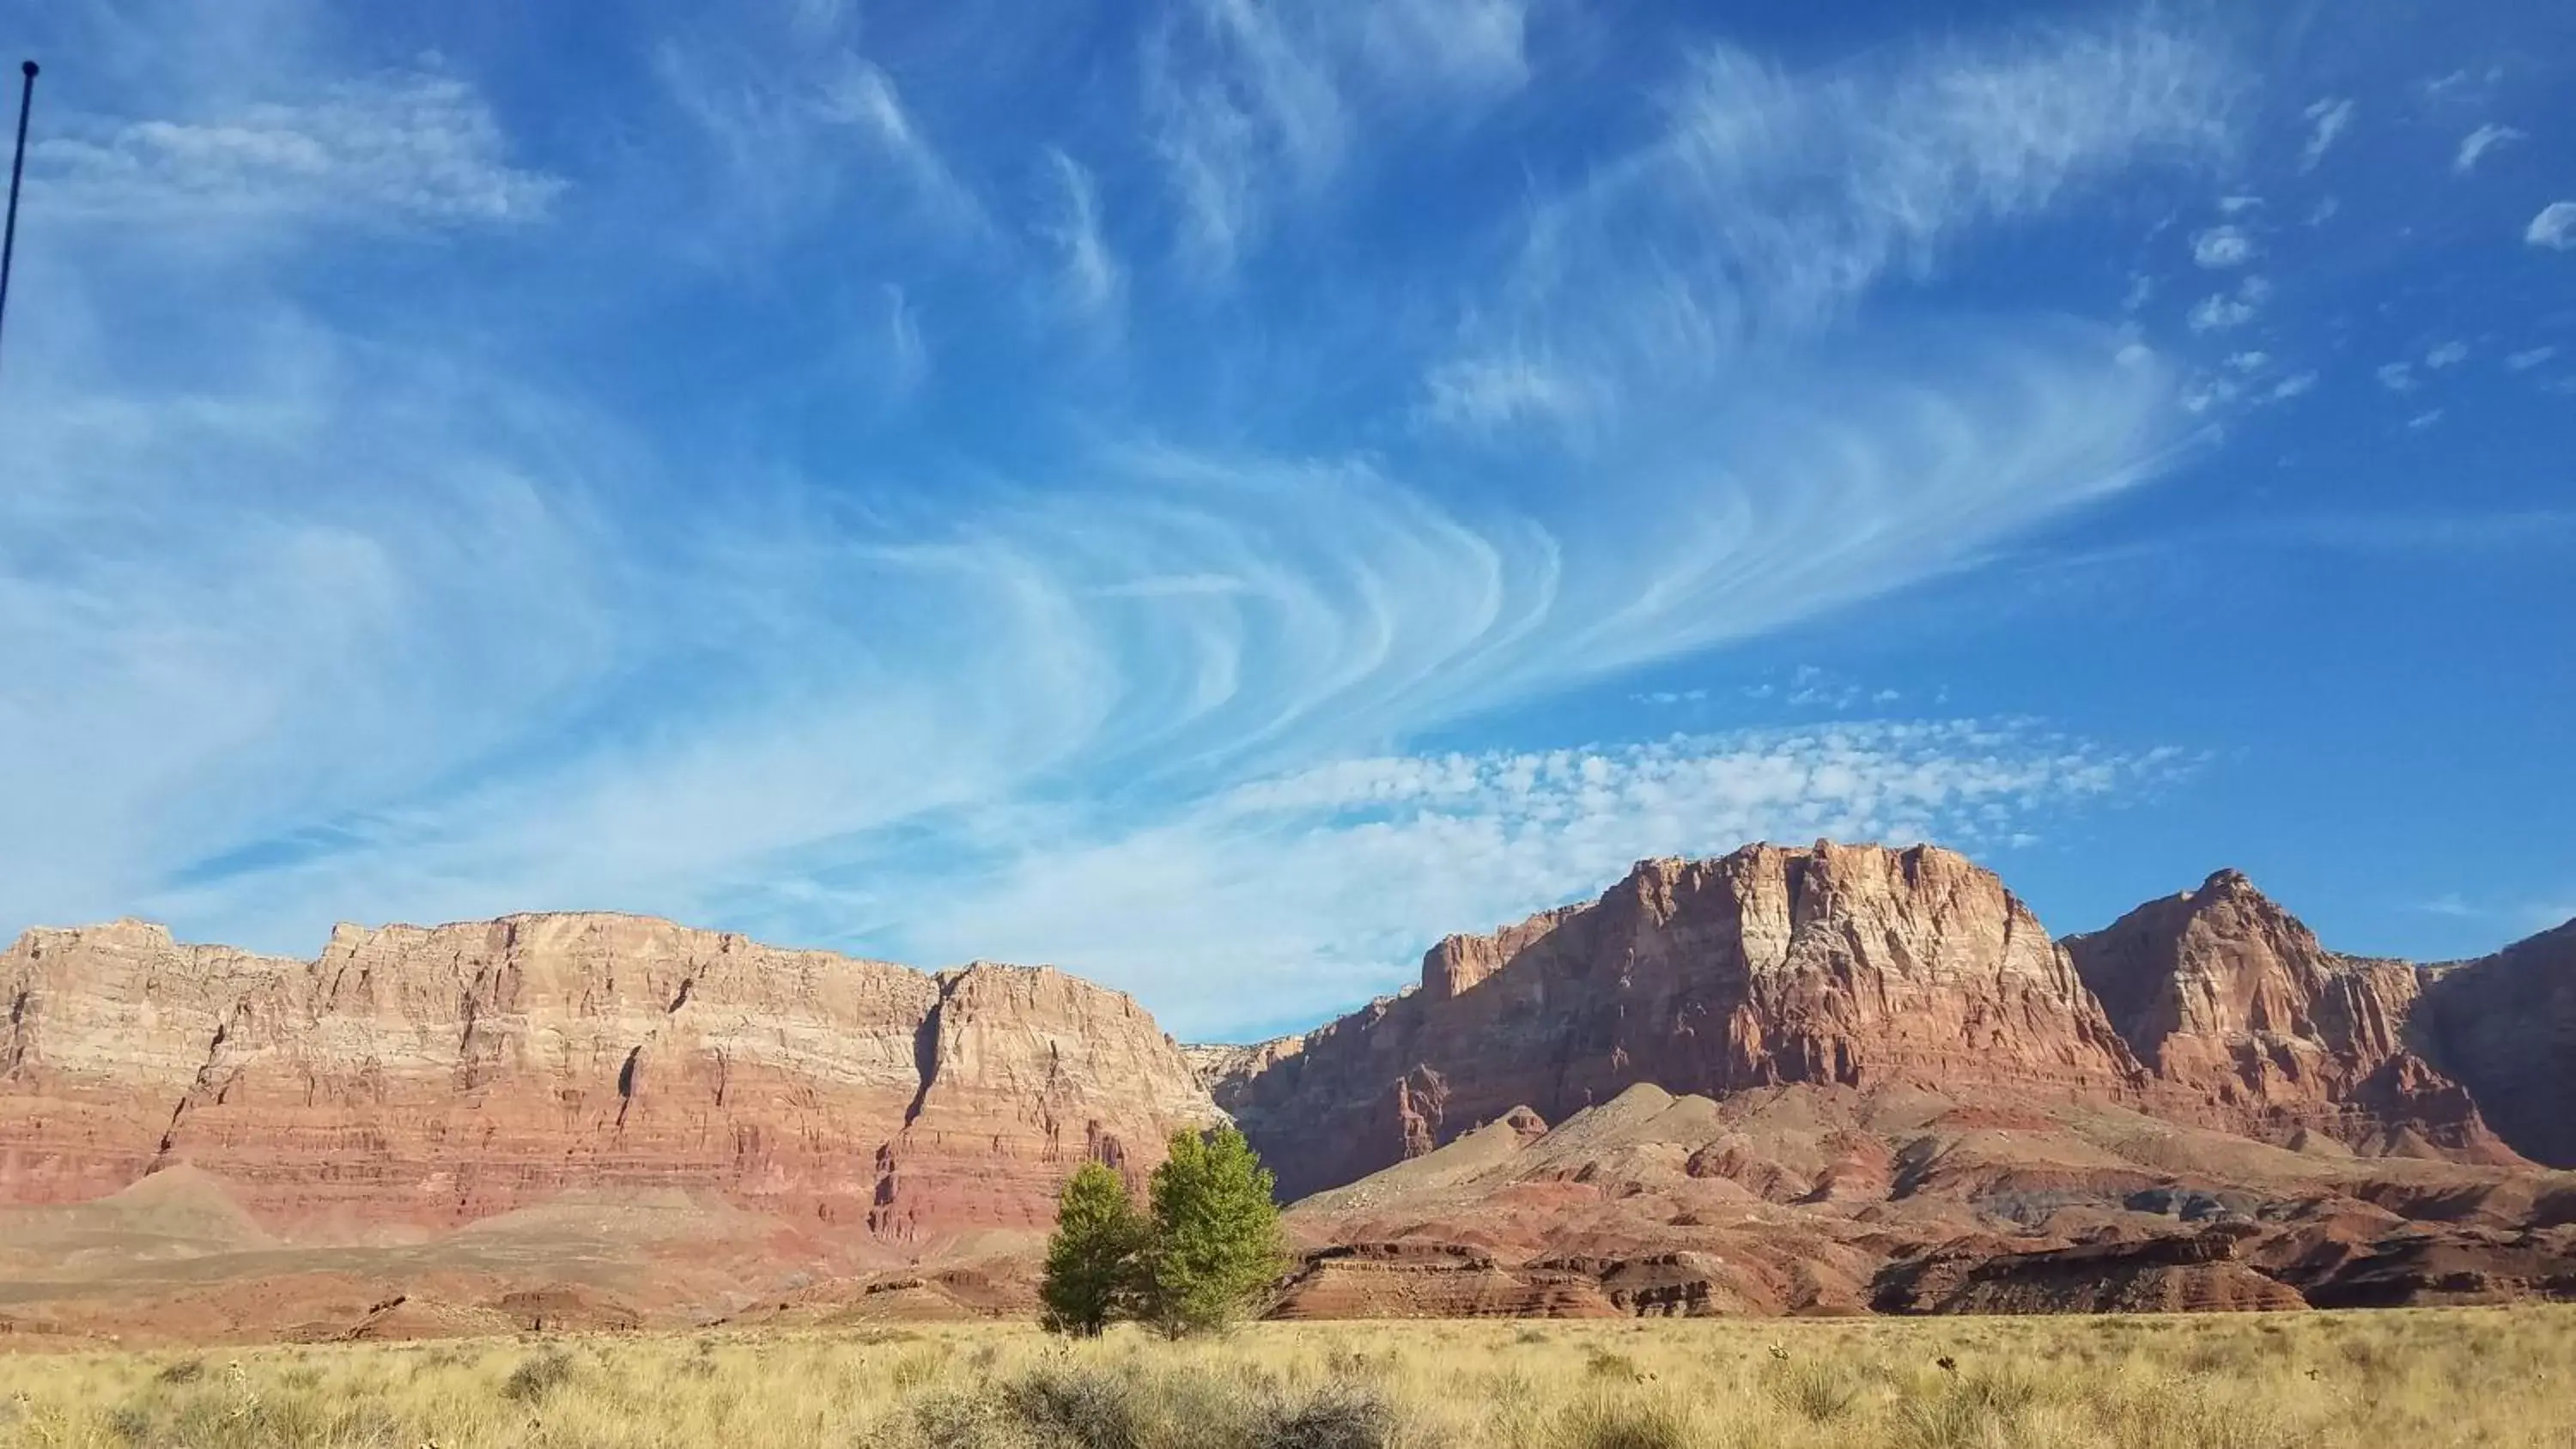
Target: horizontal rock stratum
{"x": 433, "y": 1076}
{"x": 1837, "y": 1078}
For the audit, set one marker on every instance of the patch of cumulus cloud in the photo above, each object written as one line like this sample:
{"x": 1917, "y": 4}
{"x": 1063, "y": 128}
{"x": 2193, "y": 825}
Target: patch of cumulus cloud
{"x": 311, "y": 617}
{"x": 2554, "y": 228}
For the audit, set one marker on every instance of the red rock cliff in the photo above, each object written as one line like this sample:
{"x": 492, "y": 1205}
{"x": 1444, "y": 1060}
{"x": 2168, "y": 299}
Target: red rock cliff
{"x": 2506, "y": 1026}
{"x": 435, "y": 1075}
{"x": 1852, "y": 964}
{"x": 2249, "y": 1024}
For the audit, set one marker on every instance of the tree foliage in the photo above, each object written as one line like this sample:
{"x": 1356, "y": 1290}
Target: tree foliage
{"x": 1093, "y": 1261}
{"x": 1215, "y": 1246}
{"x": 1201, "y": 1259}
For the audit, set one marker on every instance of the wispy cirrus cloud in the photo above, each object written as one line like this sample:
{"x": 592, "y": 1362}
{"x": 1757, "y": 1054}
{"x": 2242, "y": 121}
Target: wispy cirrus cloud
{"x": 2475, "y": 145}
{"x": 1774, "y": 202}
{"x": 1255, "y": 107}
{"x": 795, "y": 115}
{"x": 2327, "y": 121}
{"x": 935, "y": 647}
{"x": 1093, "y": 282}
{"x": 396, "y": 149}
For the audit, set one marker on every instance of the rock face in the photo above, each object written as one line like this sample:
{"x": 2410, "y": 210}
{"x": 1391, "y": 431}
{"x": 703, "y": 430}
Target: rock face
{"x": 2505, "y": 1025}
{"x": 435, "y": 1076}
{"x": 1838, "y": 964}
{"x": 2172, "y": 1274}
{"x": 2247, "y": 1022}
{"x": 1867, "y": 967}
{"x": 1782, "y": 1200}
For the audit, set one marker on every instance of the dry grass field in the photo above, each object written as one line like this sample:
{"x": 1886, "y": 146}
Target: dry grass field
{"x": 2434, "y": 1377}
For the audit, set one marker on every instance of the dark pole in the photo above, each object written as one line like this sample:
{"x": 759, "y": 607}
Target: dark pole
{"x": 17, "y": 170}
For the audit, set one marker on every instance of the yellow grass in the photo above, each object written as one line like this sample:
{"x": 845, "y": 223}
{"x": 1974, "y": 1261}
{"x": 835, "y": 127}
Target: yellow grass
{"x": 2398, "y": 1379}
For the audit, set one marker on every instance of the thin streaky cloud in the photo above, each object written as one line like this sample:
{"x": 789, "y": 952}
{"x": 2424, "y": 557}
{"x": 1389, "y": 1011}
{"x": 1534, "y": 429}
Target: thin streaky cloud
{"x": 2327, "y": 121}
{"x": 2475, "y": 145}
{"x": 400, "y": 148}
{"x": 1093, "y": 281}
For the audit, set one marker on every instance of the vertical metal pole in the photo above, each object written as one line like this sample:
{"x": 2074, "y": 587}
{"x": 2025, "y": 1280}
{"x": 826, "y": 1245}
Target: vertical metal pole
{"x": 17, "y": 171}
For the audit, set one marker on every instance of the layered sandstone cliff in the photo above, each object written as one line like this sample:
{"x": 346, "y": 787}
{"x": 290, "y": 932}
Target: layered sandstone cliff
{"x": 2247, "y": 1022}
{"x": 2505, "y": 1025}
{"x": 1865, "y": 966}
{"x": 1856, "y": 965}
{"x": 432, "y": 1076}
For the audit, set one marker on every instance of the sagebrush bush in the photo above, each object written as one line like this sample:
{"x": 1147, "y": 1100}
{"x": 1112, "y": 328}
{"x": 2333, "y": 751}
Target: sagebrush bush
{"x": 1623, "y": 1421}
{"x": 539, "y": 1374}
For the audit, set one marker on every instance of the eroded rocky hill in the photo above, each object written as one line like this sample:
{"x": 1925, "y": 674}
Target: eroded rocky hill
{"x": 1864, "y": 966}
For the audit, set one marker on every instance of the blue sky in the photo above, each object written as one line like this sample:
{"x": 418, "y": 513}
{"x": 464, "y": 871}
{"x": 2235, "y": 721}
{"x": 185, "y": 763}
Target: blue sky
{"x": 1217, "y": 494}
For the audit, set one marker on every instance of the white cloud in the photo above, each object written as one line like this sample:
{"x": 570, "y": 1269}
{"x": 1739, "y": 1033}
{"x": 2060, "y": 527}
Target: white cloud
{"x": 2220, "y": 312}
{"x": 2249, "y": 361}
{"x": 1485, "y": 393}
{"x": 2425, "y": 419}
{"x": 2221, "y": 247}
{"x": 862, "y": 95}
{"x": 2447, "y": 354}
{"x": 2397, "y": 376}
{"x": 2529, "y": 358}
{"x": 1774, "y": 203}
{"x": 1237, "y": 100}
{"x": 1255, "y": 107}
{"x": 2295, "y": 385}
{"x": 2479, "y": 142}
{"x": 2530, "y": 915}
{"x": 2327, "y": 121}
{"x": 2205, "y": 393}
{"x": 1093, "y": 281}
{"x": 2238, "y": 205}
{"x": 907, "y": 357}
{"x": 403, "y": 148}
{"x": 2554, "y": 227}
{"x": 1459, "y": 45}
{"x": 795, "y": 125}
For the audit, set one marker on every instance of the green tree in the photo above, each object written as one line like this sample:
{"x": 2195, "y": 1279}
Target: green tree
{"x": 1215, "y": 1246}
{"x": 1094, "y": 1260}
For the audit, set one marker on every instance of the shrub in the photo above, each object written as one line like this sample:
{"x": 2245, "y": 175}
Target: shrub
{"x": 537, "y": 1375}
{"x": 1340, "y": 1416}
{"x": 1817, "y": 1392}
{"x": 1623, "y": 1421}
{"x": 1604, "y": 1363}
{"x": 1075, "y": 1407}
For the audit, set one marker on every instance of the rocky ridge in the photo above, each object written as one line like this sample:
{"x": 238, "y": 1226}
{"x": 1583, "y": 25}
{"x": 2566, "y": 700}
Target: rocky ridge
{"x": 1866, "y": 967}
{"x": 1788, "y": 1080}
{"x": 434, "y": 1076}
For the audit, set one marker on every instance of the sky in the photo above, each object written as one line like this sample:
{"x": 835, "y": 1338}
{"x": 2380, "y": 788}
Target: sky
{"x": 1218, "y": 494}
